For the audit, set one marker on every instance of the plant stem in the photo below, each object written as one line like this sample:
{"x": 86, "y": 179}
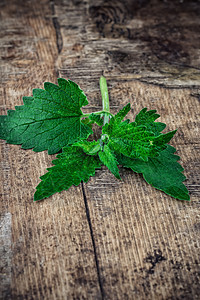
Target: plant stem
{"x": 105, "y": 99}
{"x": 105, "y": 102}
{"x": 96, "y": 113}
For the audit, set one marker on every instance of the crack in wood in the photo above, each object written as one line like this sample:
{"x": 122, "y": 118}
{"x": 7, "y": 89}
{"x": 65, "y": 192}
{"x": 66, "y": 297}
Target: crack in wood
{"x": 56, "y": 24}
{"x": 93, "y": 241}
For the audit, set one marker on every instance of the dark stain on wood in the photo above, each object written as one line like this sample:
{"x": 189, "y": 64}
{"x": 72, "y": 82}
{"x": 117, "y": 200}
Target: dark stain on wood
{"x": 154, "y": 259}
{"x": 56, "y": 24}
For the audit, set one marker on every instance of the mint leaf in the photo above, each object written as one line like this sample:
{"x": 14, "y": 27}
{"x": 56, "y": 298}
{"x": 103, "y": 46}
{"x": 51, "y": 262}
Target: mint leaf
{"x": 52, "y": 120}
{"x": 87, "y": 122}
{"x": 106, "y": 155}
{"x": 136, "y": 140}
{"x": 108, "y": 158}
{"x": 116, "y": 120}
{"x": 96, "y": 119}
{"x": 163, "y": 172}
{"x": 147, "y": 119}
{"x": 71, "y": 167}
{"x": 132, "y": 141}
{"x": 90, "y": 148}
{"x": 122, "y": 113}
{"x": 160, "y": 141}
{"x": 49, "y": 120}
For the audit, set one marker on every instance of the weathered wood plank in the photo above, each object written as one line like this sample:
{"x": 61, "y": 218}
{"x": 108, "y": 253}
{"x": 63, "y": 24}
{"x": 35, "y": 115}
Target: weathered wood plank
{"x": 151, "y": 41}
{"x": 147, "y": 243}
{"x": 46, "y": 249}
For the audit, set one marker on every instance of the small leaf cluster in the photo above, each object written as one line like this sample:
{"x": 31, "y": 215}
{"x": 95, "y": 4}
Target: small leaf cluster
{"x": 53, "y": 120}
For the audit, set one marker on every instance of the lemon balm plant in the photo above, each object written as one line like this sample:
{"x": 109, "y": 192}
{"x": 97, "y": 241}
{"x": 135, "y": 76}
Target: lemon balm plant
{"x": 52, "y": 120}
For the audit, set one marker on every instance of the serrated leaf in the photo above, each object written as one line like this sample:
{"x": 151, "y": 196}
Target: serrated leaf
{"x": 96, "y": 119}
{"x": 117, "y": 119}
{"x": 135, "y": 142}
{"x": 90, "y": 148}
{"x": 71, "y": 167}
{"x": 147, "y": 118}
{"x": 49, "y": 120}
{"x": 109, "y": 160}
{"x": 163, "y": 139}
{"x": 135, "y": 139}
{"x": 163, "y": 172}
{"x": 122, "y": 113}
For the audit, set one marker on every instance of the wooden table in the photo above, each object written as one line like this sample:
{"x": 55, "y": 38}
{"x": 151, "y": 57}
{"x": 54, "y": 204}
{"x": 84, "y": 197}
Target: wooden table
{"x": 106, "y": 239}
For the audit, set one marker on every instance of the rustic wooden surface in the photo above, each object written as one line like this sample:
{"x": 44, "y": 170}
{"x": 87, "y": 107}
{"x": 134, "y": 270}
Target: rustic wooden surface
{"x": 106, "y": 239}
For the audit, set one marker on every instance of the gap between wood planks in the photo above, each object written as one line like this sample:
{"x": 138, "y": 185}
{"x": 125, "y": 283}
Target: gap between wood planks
{"x": 93, "y": 240}
{"x": 59, "y": 43}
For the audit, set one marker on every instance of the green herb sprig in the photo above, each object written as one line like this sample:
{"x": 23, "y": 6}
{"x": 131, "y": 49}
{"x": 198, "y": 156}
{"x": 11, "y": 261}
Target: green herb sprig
{"x": 52, "y": 120}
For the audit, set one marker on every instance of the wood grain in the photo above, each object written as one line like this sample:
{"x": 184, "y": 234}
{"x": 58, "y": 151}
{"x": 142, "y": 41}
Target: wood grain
{"x": 50, "y": 249}
{"x": 148, "y": 243}
{"x": 106, "y": 239}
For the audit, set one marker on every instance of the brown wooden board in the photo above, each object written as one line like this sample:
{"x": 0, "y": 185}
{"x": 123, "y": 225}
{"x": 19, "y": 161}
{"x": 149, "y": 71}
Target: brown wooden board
{"x": 107, "y": 239}
{"x": 46, "y": 248}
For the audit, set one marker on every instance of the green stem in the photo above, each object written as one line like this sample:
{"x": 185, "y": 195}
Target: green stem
{"x": 105, "y": 102}
{"x": 96, "y": 113}
{"x": 105, "y": 99}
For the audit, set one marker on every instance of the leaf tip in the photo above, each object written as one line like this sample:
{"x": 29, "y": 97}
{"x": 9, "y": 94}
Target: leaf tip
{"x": 187, "y": 197}
{"x": 118, "y": 176}
{"x": 47, "y": 85}
{"x": 37, "y": 197}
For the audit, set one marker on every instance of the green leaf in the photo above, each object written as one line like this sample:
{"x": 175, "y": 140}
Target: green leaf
{"x": 109, "y": 160}
{"x": 122, "y": 113}
{"x": 163, "y": 172}
{"x": 163, "y": 139}
{"x": 133, "y": 142}
{"x": 86, "y": 121}
{"x": 117, "y": 119}
{"x": 147, "y": 118}
{"x": 90, "y": 148}
{"x": 71, "y": 167}
{"x": 136, "y": 140}
{"x": 49, "y": 120}
{"x": 96, "y": 119}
